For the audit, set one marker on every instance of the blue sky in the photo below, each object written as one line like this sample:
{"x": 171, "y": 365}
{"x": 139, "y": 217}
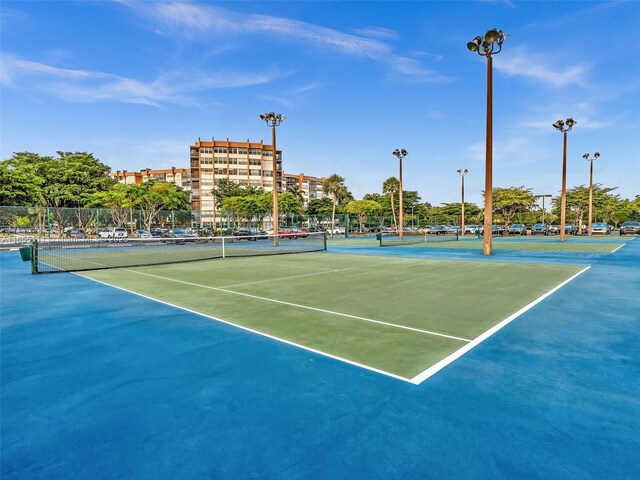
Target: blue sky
{"x": 136, "y": 83}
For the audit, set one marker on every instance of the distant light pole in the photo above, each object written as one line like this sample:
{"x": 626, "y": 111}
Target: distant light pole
{"x": 462, "y": 173}
{"x": 564, "y": 127}
{"x": 486, "y": 48}
{"x": 586, "y": 157}
{"x": 543, "y": 197}
{"x": 273, "y": 120}
{"x": 400, "y": 153}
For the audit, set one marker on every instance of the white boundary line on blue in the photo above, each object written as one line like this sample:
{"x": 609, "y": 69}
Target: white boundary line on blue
{"x": 615, "y": 250}
{"x": 418, "y": 379}
{"x": 319, "y": 352}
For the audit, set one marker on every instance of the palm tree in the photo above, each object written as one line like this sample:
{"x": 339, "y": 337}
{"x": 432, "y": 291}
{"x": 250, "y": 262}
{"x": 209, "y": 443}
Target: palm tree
{"x": 392, "y": 185}
{"x": 334, "y": 185}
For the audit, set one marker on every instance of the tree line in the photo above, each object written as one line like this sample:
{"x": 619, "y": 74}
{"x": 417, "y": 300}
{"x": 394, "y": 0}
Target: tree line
{"x": 79, "y": 180}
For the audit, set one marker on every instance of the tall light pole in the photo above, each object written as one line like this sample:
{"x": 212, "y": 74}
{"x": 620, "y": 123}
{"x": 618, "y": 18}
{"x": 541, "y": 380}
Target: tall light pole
{"x": 486, "y": 47}
{"x": 273, "y": 120}
{"x": 400, "y": 153}
{"x": 564, "y": 127}
{"x": 462, "y": 173}
{"x": 586, "y": 157}
{"x": 543, "y": 197}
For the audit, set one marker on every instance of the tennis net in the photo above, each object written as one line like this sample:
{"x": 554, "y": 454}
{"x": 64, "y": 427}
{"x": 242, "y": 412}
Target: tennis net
{"x": 412, "y": 238}
{"x": 72, "y": 255}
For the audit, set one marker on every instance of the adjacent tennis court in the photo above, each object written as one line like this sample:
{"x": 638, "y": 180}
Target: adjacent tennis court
{"x": 399, "y": 317}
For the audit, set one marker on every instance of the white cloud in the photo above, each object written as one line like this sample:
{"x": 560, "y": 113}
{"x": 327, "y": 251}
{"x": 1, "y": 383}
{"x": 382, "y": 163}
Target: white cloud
{"x": 521, "y": 62}
{"x": 89, "y": 86}
{"x": 187, "y": 18}
{"x": 377, "y": 32}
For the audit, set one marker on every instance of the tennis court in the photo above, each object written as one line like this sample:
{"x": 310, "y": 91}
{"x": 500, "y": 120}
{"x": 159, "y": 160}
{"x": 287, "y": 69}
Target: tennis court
{"x": 399, "y": 317}
{"x": 325, "y": 365}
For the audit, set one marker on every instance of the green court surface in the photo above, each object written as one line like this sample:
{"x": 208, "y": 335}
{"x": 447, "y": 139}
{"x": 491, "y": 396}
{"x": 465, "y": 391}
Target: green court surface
{"x": 397, "y": 316}
{"x": 524, "y": 244}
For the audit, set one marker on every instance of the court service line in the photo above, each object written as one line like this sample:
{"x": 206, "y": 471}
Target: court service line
{"x": 257, "y": 332}
{"x": 305, "y": 307}
{"x": 335, "y": 270}
{"x": 421, "y": 377}
{"x": 615, "y": 250}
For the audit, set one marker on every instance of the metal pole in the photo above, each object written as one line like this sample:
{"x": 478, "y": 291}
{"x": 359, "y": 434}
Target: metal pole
{"x": 488, "y": 180}
{"x": 462, "y": 226}
{"x": 590, "y": 195}
{"x": 563, "y": 203}
{"x": 543, "y": 209}
{"x": 401, "y": 213}
{"x": 275, "y": 188}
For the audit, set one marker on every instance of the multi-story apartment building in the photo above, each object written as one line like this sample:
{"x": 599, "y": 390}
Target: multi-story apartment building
{"x": 309, "y": 187}
{"x": 245, "y": 163}
{"x": 178, "y": 176}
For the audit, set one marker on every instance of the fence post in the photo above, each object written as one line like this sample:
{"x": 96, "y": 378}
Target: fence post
{"x": 346, "y": 225}
{"x": 48, "y": 224}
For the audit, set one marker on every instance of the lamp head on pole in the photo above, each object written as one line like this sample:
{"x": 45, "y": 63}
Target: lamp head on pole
{"x": 272, "y": 119}
{"x": 564, "y": 125}
{"x": 462, "y": 172}
{"x": 487, "y": 46}
{"x": 400, "y": 153}
{"x": 585, "y": 156}
{"x": 596, "y": 155}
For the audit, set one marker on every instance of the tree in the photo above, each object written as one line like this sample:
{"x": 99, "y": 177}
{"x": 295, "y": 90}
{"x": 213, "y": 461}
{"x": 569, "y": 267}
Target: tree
{"x": 289, "y": 203}
{"x": 334, "y": 185}
{"x": 20, "y": 183}
{"x": 152, "y": 197}
{"x": 604, "y": 203}
{"x": 119, "y": 199}
{"x": 363, "y": 209}
{"x": 470, "y": 209}
{"x": 512, "y": 200}
{"x": 391, "y": 186}
{"x": 320, "y": 207}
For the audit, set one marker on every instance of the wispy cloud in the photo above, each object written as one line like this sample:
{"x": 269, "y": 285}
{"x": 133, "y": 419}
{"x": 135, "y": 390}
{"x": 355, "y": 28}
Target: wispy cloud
{"x": 514, "y": 151}
{"x": 583, "y": 113}
{"x": 521, "y": 62}
{"x": 171, "y": 18}
{"x": 89, "y": 86}
{"x": 507, "y": 3}
{"x": 13, "y": 20}
{"x": 377, "y": 32}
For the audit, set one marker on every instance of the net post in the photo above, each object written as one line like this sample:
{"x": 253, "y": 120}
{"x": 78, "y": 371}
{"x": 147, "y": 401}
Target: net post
{"x": 223, "y": 252}
{"x": 34, "y": 257}
{"x": 324, "y": 236}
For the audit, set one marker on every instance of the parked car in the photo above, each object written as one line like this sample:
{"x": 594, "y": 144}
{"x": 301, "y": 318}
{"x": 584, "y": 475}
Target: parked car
{"x": 118, "y": 233}
{"x": 76, "y": 233}
{"x": 292, "y": 232}
{"x": 250, "y": 234}
{"x": 630, "y": 228}
{"x": 316, "y": 230}
{"x": 540, "y": 229}
{"x": 336, "y": 230}
{"x": 571, "y": 230}
{"x": 141, "y": 233}
{"x": 497, "y": 230}
{"x": 473, "y": 229}
{"x": 517, "y": 229}
{"x": 180, "y": 236}
{"x": 438, "y": 230}
{"x": 600, "y": 228}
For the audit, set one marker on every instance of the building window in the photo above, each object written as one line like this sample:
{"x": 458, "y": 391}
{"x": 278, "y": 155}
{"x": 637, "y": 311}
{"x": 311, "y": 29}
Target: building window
{"x": 220, "y": 150}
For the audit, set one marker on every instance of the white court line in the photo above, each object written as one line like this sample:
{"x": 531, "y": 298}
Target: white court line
{"x": 314, "y": 273}
{"x": 615, "y": 250}
{"x": 305, "y": 307}
{"x": 418, "y": 379}
{"x": 288, "y": 342}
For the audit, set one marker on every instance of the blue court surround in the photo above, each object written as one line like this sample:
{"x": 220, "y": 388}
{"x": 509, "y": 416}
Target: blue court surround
{"x": 97, "y": 383}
